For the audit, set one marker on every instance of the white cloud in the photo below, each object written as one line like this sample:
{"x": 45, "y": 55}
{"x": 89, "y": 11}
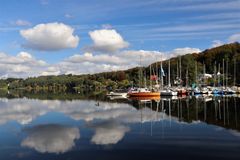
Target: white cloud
{"x": 222, "y": 5}
{"x": 24, "y": 55}
{"x": 107, "y": 40}
{"x": 50, "y": 37}
{"x": 25, "y": 65}
{"x": 196, "y": 27}
{"x": 145, "y": 57}
{"x": 216, "y": 16}
{"x": 21, "y": 22}
{"x": 96, "y": 59}
{"x": 90, "y": 63}
{"x": 51, "y": 70}
{"x": 216, "y": 43}
{"x": 234, "y": 38}
{"x": 22, "y": 65}
{"x": 87, "y": 67}
{"x": 51, "y": 138}
{"x": 183, "y": 51}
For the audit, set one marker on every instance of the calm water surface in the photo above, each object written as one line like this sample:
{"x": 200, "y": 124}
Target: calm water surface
{"x": 46, "y": 128}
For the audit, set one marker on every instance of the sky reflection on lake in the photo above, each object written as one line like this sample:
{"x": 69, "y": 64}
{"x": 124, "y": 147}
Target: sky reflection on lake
{"x": 190, "y": 127}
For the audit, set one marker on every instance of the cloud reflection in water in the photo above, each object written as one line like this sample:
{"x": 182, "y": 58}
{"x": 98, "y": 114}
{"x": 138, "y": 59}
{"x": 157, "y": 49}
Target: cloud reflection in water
{"x": 108, "y": 132}
{"x": 109, "y": 129}
{"x": 51, "y": 138}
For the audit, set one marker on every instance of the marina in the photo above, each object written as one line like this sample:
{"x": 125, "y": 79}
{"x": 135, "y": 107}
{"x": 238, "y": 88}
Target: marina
{"x": 198, "y": 87}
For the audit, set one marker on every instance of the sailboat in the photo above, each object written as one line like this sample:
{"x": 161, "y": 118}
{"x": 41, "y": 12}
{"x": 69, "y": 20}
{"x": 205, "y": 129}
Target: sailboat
{"x": 167, "y": 91}
{"x": 196, "y": 90}
{"x": 180, "y": 89}
{"x": 204, "y": 88}
{"x": 234, "y": 87}
{"x": 118, "y": 92}
{"x": 228, "y": 90}
{"x": 143, "y": 92}
{"x": 217, "y": 90}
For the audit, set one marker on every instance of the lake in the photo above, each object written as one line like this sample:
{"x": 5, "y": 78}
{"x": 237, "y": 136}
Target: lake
{"x": 70, "y": 126}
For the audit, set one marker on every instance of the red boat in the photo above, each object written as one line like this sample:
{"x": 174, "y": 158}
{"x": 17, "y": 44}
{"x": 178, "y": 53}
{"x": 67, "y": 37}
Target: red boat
{"x": 142, "y": 92}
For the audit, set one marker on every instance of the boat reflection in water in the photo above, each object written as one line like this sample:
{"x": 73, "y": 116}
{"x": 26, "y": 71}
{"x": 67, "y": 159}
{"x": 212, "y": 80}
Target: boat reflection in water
{"x": 201, "y": 127}
{"x": 222, "y": 111}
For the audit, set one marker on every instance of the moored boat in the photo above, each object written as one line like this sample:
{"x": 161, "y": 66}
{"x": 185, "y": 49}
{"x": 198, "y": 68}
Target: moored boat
{"x": 168, "y": 92}
{"x": 155, "y": 98}
{"x": 143, "y": 92}
{"x": 118, "y": 92}
{"x": 196, "y": 91}
{"x": 204, "y": 90}
{"x": 182, "y": 91}
{"x": 228, "y": 90}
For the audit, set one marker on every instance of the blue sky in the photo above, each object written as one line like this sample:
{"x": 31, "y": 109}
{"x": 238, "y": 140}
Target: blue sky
{"x": 151, "y": 27}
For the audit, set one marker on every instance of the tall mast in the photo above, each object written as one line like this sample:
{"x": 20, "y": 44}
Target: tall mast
{"x": 145, "y": 79}
{"x": 150, "y": 76}
{"x": 180, "y": 69}
{"x": 219, "y": 74}
{"x": 234, "y": 79}
{"x": 177, "y": 71}
{"x": 139, "y": 74}
{"x": 187, "y": 77}
{"x": 223, "y": 73}
{"x": 196, "y": 74}
{"x": 215, "y": 74}
{"x": 204, "y": 72}
{"x": 157, "y": 73}
{"x": 161, "y": 74}
{"x": 169, "y": 73}
{"x": 226, "y": 73}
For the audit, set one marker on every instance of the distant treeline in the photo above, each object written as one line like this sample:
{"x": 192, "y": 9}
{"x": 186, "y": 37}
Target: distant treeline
{"x": 127, "y": 78}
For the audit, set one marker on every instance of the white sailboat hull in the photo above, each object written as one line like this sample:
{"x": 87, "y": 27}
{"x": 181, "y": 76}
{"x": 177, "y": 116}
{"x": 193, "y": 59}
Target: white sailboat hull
{"x": 168, "y": 93}
{"x": 117, "y": 94}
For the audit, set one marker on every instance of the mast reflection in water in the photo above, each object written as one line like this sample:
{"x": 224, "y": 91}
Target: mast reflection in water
{"x": 166, "y": 128}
